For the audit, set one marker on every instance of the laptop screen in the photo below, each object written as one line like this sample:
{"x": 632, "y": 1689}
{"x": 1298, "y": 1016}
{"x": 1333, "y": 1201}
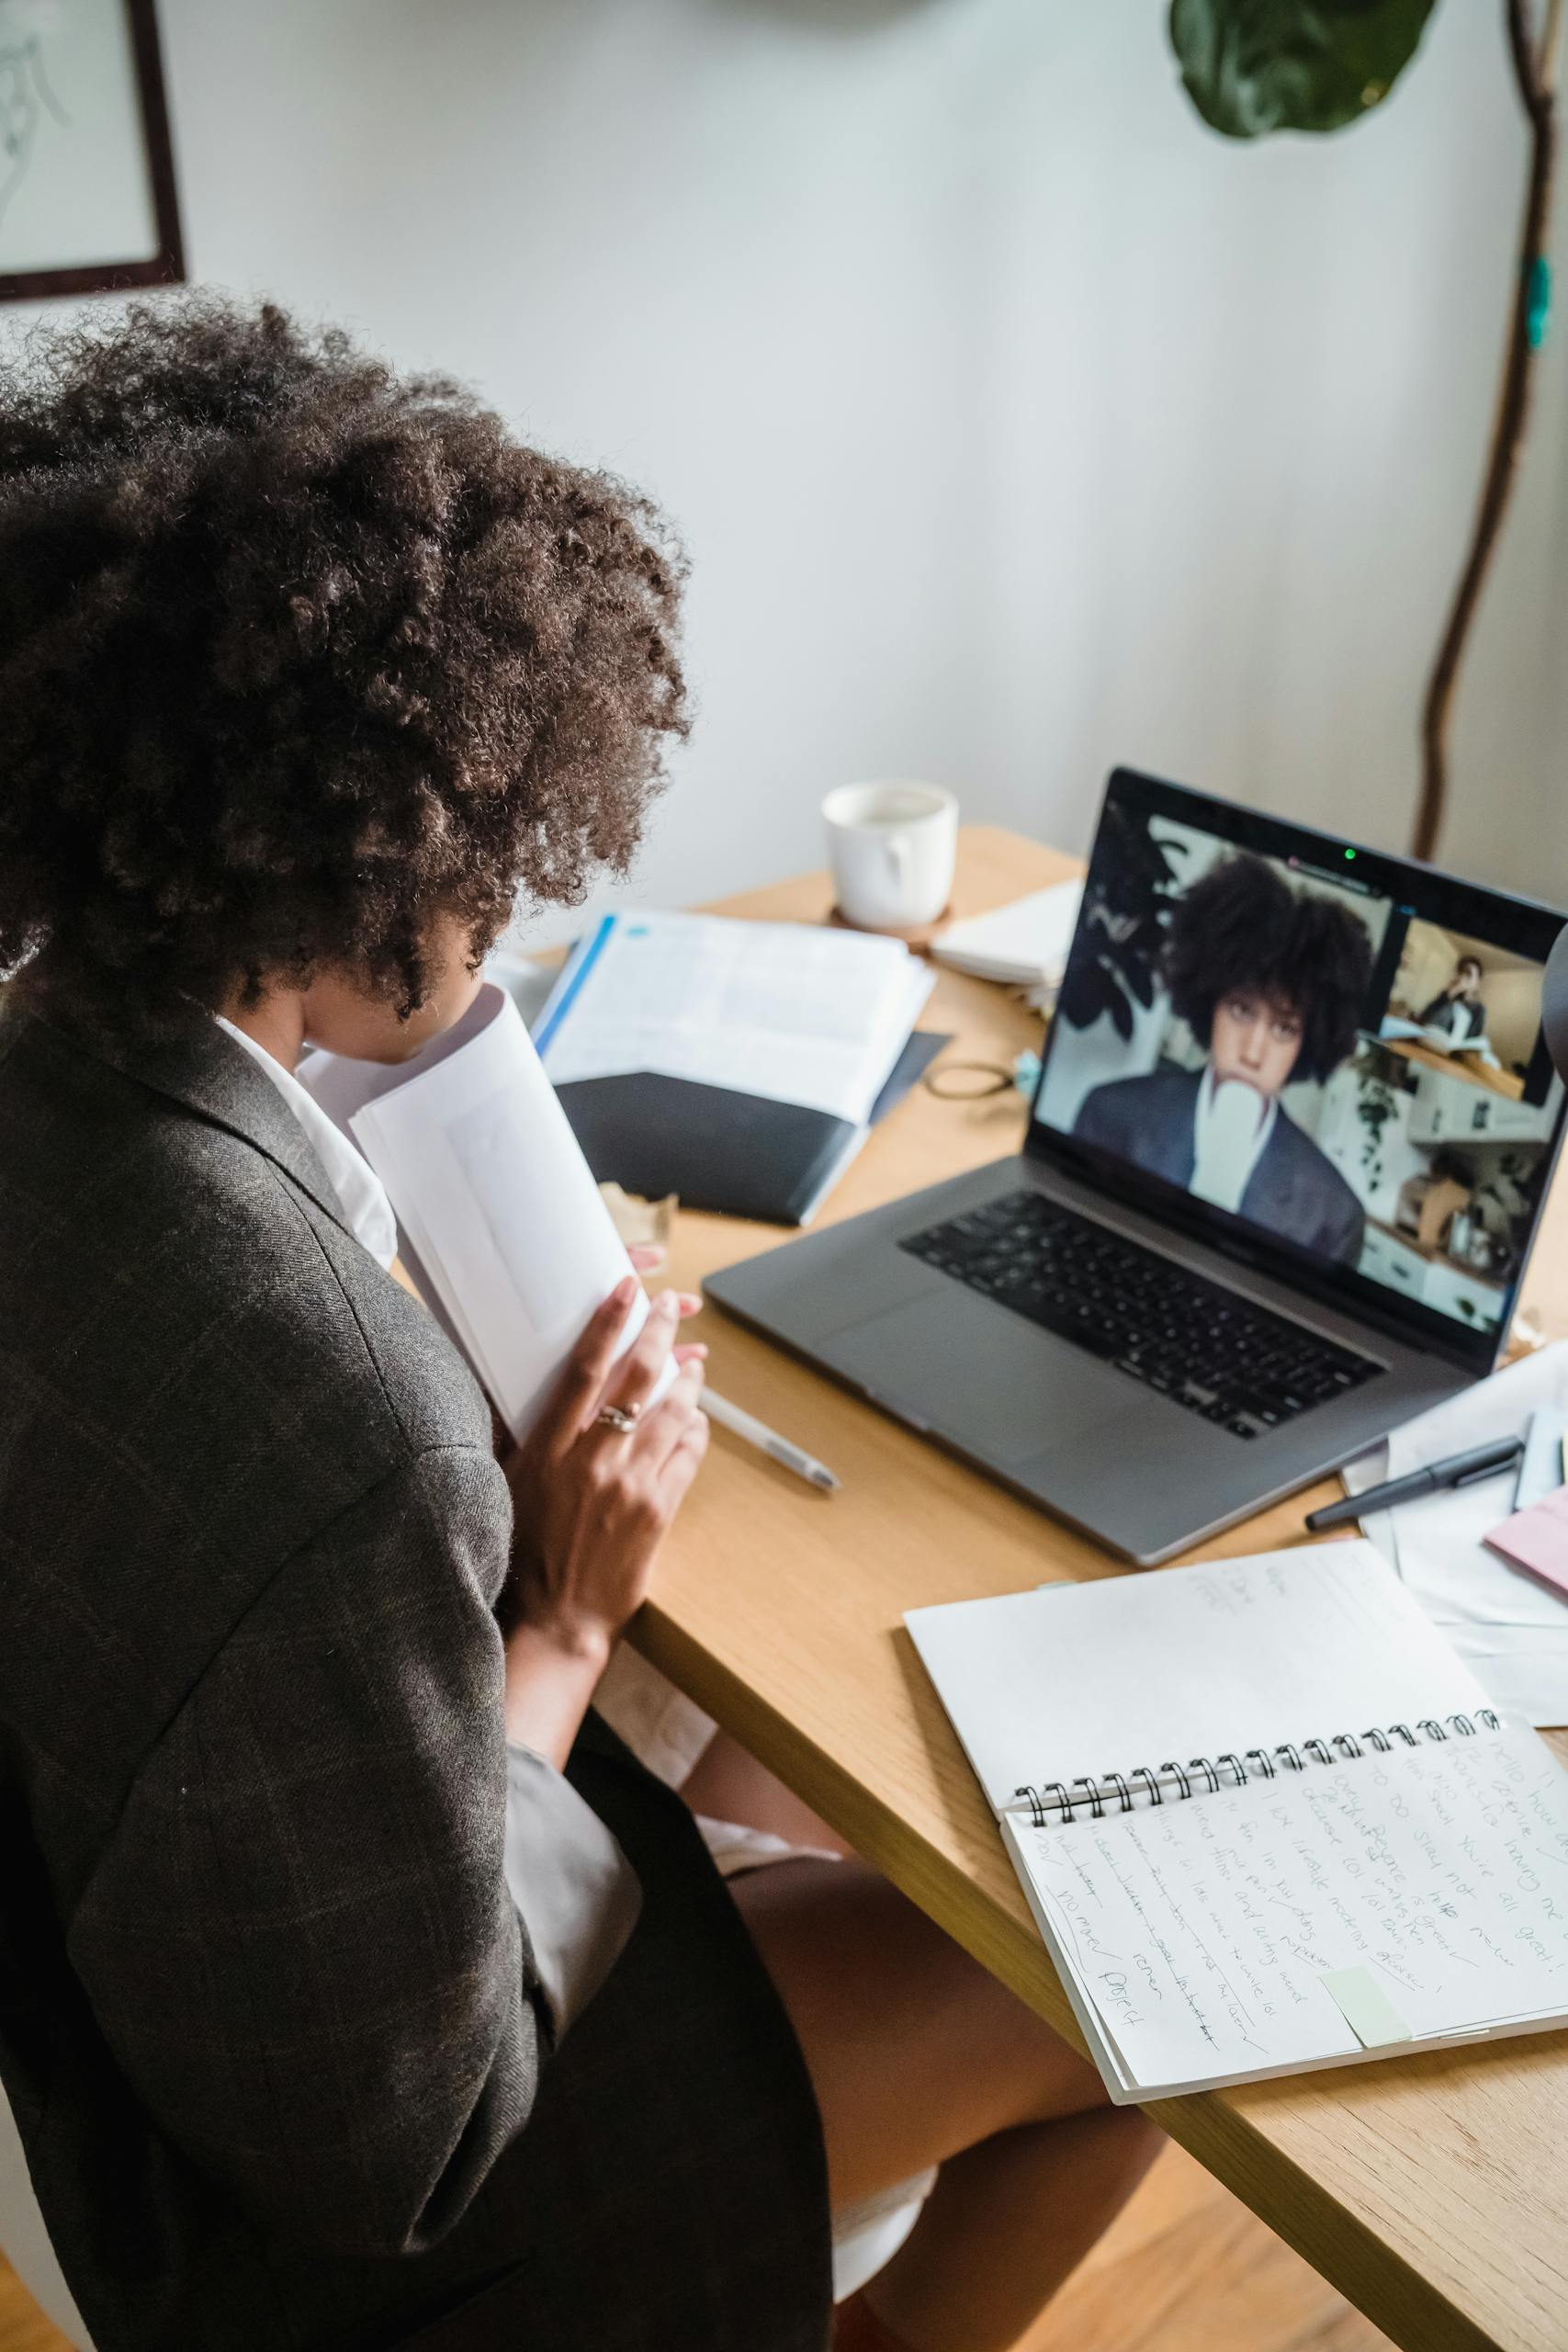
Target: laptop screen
{"x": 1297, "y": 1042}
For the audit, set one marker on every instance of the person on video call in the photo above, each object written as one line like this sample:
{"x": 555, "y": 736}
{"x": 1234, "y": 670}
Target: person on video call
{"x": 1271, "y": 981}
{"x": 1457, "y": 1008}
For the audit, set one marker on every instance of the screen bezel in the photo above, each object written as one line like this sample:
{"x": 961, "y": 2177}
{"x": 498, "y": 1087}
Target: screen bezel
{"x": 1521, "y": 926}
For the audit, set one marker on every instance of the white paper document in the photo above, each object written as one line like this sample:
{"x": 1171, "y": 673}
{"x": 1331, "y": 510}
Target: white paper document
{"x": 490, "y": 1185}
{"x": 1512, "y": 1627}
{"x": 1234, "y": 1653}
{"x": 795, "y": 1012}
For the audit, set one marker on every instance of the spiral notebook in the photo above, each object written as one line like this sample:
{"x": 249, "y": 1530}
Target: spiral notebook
{"x": 1266, "y": 1818}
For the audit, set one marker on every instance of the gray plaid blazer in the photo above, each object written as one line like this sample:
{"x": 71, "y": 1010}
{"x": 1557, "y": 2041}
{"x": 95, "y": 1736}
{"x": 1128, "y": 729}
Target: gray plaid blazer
{"x": 268, "y": 2018}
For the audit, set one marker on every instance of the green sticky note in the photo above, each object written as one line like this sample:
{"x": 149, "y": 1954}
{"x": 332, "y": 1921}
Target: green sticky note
{"x": 1365, "y": 2007}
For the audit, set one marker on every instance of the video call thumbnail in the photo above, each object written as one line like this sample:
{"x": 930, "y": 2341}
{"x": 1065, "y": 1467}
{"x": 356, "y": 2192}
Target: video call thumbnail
{"x": 1287, "y": 1046}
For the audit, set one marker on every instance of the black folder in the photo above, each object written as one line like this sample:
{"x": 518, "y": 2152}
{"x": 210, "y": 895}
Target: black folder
{"x": 744, "y": 1154}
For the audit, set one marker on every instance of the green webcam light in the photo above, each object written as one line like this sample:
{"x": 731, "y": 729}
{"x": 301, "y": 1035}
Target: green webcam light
{"x": 1349, "y": 853}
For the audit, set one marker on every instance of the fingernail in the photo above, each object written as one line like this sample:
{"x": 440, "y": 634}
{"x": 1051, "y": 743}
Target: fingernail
{"x": 668, "y": 1305}
{"x": 691, "y": 1301}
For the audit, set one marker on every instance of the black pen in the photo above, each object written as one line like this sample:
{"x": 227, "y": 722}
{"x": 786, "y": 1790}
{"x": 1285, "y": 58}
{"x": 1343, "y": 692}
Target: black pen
{"x": 1459, "y": 1470}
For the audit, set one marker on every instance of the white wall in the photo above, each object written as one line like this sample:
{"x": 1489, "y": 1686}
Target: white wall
{"x": 1016, "y": 423}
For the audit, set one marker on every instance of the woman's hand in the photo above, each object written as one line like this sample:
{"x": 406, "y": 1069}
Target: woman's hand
{"x": 593, "y": 1503}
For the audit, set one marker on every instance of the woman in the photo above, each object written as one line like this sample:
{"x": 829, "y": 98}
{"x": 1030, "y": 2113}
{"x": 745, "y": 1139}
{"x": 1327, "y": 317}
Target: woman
{"x": 360, "y": 1988}
{"x": 1271, "y": 982}
{"x": 1458, "y": 1008}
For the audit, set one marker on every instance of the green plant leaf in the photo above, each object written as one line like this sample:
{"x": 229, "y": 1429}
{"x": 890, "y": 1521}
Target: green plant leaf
{"x": 1254, "y": 66}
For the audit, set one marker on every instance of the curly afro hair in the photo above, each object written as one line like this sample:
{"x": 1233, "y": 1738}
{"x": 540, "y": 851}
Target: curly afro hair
{"x": 1242, "y": 926}
{"x": 296, "y": 654}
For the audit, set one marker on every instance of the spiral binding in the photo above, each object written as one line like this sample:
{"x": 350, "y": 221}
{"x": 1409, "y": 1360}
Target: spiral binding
{"x": 1201, "y": 1774}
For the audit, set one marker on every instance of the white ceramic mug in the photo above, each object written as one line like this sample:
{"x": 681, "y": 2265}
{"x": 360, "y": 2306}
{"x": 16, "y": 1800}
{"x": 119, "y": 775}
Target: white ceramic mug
{"x": 892, "y": 848}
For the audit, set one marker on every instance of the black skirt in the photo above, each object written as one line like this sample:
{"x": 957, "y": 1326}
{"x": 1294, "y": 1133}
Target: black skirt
{"x": 669, "y": 2193}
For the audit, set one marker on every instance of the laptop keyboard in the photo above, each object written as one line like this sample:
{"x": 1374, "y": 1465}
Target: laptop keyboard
{"x": 1200, "y": 1345}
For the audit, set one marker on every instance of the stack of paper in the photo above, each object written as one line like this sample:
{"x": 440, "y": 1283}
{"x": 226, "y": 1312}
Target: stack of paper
{"x": 738, "y": 1064}
{"x": 1511, "y": 1626}
{"x": 1025, "y": 944}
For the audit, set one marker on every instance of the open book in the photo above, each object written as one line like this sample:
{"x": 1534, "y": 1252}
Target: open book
{"x": 739, "y": 1064}
{"x": 1265, "y": 1817}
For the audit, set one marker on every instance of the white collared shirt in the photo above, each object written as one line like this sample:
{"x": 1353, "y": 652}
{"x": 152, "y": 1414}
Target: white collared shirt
{"x": 361, "y": 1194}
{"x": 1230, "y": 1127}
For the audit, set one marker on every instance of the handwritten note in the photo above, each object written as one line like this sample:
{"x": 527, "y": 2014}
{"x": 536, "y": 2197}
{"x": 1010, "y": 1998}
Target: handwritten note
{"x": 1198, "y": 1932}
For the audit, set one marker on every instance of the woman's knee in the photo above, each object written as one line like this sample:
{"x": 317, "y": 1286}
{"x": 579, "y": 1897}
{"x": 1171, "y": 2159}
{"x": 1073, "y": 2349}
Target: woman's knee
{"x": 877, "y": 1990}
{"x": 1040, "y": 2076}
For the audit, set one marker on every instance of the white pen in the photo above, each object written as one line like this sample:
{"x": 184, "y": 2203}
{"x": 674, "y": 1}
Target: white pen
{"x": 767, "y": 1441}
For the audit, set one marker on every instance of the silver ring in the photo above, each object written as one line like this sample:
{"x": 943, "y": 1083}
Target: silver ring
{"x": 621, "y": 1418}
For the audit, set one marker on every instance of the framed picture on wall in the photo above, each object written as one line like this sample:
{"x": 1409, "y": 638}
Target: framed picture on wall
{"x": 86, "y": 171}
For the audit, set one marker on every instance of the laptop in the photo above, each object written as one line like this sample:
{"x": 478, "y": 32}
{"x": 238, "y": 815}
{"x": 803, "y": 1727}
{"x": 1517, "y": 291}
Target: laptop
{"x": 1285, "y": 1161}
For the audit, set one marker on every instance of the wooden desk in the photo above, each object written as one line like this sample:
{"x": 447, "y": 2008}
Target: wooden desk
{"x": 1468, "y": 1066}
{"x": 1428, "y": 2189}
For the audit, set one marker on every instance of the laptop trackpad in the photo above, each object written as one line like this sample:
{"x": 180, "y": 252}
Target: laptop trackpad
{"x": 993, "y": 1383}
